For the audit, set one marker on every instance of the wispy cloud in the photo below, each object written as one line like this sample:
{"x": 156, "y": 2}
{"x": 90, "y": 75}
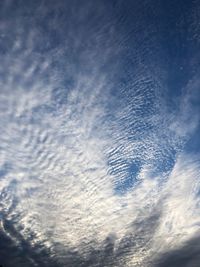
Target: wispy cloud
{"x": 73, "y": 130}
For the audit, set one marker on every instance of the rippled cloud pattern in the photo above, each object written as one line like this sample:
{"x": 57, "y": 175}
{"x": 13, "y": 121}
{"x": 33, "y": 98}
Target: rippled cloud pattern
{"x": 99, "y": 142}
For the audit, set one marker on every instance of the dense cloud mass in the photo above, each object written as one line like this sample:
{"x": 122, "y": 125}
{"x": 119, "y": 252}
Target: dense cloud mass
{"x": 99, "y": 143}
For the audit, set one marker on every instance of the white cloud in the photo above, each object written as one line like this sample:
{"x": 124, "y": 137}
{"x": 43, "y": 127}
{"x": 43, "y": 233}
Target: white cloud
{"x": 60, "y": 181}
{"x": 180, "y": 199}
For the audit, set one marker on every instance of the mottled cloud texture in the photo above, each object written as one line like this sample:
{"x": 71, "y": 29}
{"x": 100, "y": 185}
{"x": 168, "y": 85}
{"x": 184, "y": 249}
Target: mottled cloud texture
{"x": 98, "y": 101}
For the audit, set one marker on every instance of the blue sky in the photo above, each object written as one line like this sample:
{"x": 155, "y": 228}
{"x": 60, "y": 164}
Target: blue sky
{"x": 99, "y": 144}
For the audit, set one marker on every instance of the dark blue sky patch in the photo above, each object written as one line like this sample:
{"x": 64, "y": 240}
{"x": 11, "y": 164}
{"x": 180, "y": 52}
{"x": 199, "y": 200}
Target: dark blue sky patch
{"x": 128, "y": 179}
{"x": 193, "y": 144}
{"x": 165, "y": 162}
